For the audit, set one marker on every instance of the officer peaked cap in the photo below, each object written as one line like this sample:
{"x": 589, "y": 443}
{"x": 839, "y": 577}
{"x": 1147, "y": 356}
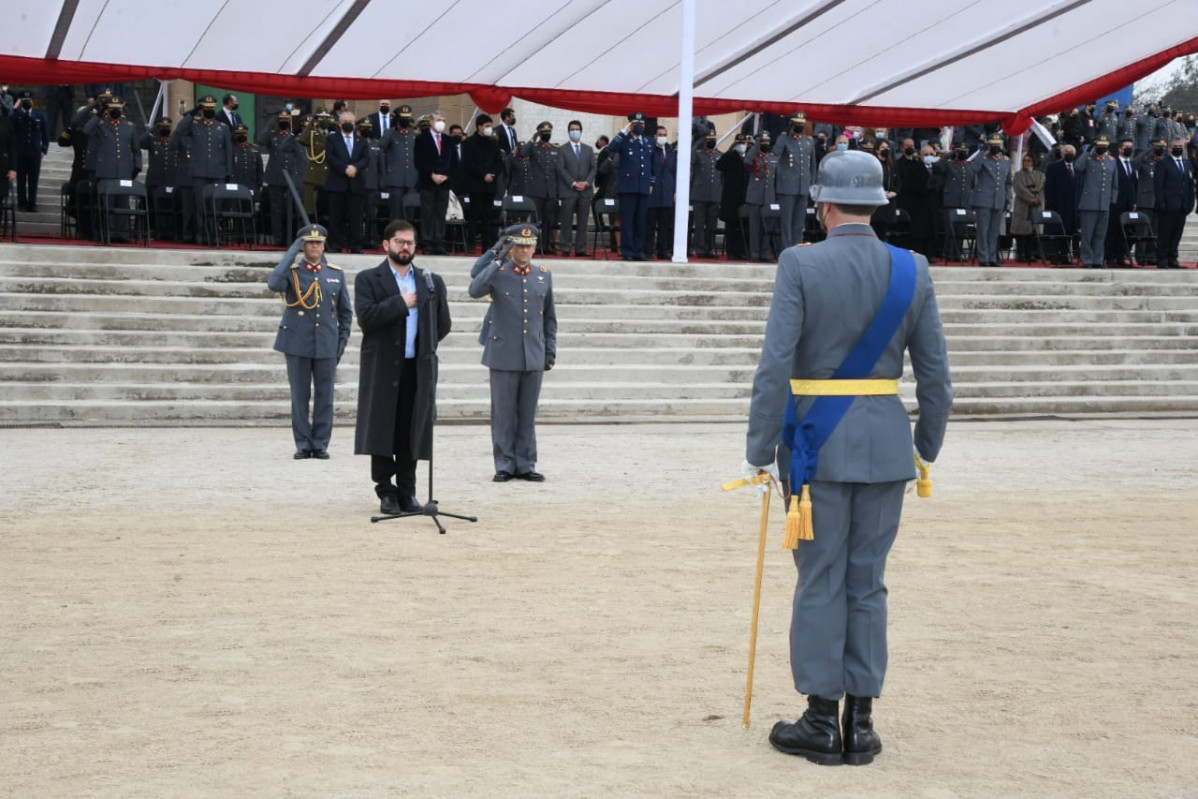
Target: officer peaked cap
{"x": 636, "y": 116}
{"x": 313, "y": 233}
{"x": 798, "y": 118}
{"x": 522, "y": 233}
{"x": 207, "y": 101}
{"x": 544, "y": 126}
{"x": 995, "y": 139}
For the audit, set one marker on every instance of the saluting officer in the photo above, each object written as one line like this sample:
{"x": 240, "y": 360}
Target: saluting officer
{"x": 211, "y": 159}
{"x": 638, "y": 179}
{"x": 247, "y": 161}
{"x": 117, "y": 156}
{"x": 286, "y": 156}
{"x": 706, "y": 187}
{"x": 521, "y": 346}
{"x": 399, "y": 162}
{"x": 317, "y": 316}
{"x": 1146, "y": 165}
{"x": 990, "y": 196}
{"x": 541, "y": 184}
{"x": 763, "y": 165}
{"x": 162, "y": 164}
{"x": 796, "y": 174}
{"x": 33, "y": 142}
{"x": 1098, "y": 184}
{"x": 1127, "y": 126}
{"x": 953, "y": 175}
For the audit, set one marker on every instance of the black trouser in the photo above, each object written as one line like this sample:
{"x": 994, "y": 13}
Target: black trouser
{"x": 734, "y": 239}
{"x": 205, "y": 225}
{"x": 186, "y": 210}
{"x": 1116, "y": 247}
{"x": 547, "y": 211}
{"x": 282, "y": 215}
{"x": 1170, "y": 225}
{"x": 706, "y": 221}
{"x": 29, "y": 168}
{"x": 400, "y": 465}
{"x": 346, "y": 209}
{"x": 434, "y": 204}
{"x": 661, "y": 231}
{"x": 481, "y": 221}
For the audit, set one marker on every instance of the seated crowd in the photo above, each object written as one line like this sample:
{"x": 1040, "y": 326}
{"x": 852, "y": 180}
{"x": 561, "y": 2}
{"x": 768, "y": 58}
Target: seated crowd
{"x": 952, "y": 197}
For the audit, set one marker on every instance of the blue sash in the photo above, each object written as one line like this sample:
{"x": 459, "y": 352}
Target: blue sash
{"x": 807, "y": 436}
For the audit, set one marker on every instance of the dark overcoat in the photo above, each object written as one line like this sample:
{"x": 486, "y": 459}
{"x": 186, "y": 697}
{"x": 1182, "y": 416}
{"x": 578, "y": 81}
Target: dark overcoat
{"x": 383, "y": 316}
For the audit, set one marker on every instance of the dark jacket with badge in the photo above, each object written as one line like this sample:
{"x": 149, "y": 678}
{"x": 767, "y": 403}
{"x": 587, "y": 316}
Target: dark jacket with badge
{"x": 383, "y": 318}
{"x": 117, "y": 150}
{"x": 316, "y": 321}
{"x": 211, "y": 148}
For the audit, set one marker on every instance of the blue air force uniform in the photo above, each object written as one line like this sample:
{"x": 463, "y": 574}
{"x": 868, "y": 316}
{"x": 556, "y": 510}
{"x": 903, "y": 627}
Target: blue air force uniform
{"x": 638, "y": 179}
{"x": 315, "y": 328}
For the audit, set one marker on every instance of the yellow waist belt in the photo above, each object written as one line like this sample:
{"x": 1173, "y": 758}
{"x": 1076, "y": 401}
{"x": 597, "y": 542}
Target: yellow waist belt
{"x": 844, "y": 388}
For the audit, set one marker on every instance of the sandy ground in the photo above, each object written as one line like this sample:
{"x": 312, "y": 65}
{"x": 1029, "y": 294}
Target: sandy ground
{"x": 188, "y": 612}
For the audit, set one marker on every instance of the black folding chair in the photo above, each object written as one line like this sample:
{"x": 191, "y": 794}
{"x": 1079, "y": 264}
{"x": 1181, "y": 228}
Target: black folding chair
{"x": 231, "y": 208}
{"x": 1053, "y": 242}
{"x": 8, "y": 212}
{"x": 897, "y": 224}
{"x": 455, "y": 229}
{"x": 1136, "y": 228}
{"x": 66, "y": 222}
{"x": 411, "y": 208}
{"x": 606, "y": 211}
{"x": 124, "y": 199}
{"x": 812, "y": 232}
{"x": 960, "y": 234}
{"x": 518, "y": 208}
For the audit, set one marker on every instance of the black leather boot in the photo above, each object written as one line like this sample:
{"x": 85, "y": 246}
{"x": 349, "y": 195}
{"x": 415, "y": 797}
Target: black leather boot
{"x": 861, "y": 743}
{"x": 815, "y": 736}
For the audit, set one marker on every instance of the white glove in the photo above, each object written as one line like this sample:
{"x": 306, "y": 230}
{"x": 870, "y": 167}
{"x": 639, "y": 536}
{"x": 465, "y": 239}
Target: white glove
{"x": 920, "y": 461}
{"x": 749, "y": 471}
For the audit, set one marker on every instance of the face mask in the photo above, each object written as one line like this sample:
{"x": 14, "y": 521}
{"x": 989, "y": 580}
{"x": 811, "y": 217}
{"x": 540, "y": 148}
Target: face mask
{"x": 233, "y": 107}
{"x": 995, "y": 149}
{"x": 164, "y": 132}
{"x": 486, "y": 130}
{"x": 880, "y": 135}
{"x": 908, "y": 151}
{"x": 405, "y": 122}
{"x": 930, "y": 159}
{"x": 764, "y": 147}
{"x": 1177, "y": 151}
{"x": 638, "y": 129}
{"x": 240, "y": 138}
{"x": 962, "y": 155}
{"x": 1126, "y": 151}
{"x": 740, "y": 148}
{"x": 209, "y": 113}
{"x": 709, "y": 144}
{"x": 798, "y": 128}
{"x": 883, "y": 152}
{"x": 575, "y": 135}
{"x": 1069, "y": 157}
{"x": 284, "y": 126}
{"x": 115, "y": 113}
{"x": 26, "y": 104}
{"x": 661, "y": 141}
{"x": 439, "y": 126}
{"x": 546, "y": 136}
{"x": 1158, "y": 150}
{"x": 842, "y": 146}
{"x": 347, "y": 127}
{"x": 384, "y": 109}
{"x": 1100, "y": 151}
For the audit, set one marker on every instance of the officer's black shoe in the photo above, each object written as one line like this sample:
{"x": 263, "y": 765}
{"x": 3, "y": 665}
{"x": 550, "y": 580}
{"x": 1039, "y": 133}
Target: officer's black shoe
{"x": 501, "y": 477}
{"x": 389, "y": 505}
{"x": 302, "y": 454}
{"x": 408, "y": 504}
{"x": 321, "y": 454}
{"x": 861, "y": 743}
{"x": 815, "y": 736}
{"x": 532, "y": 476}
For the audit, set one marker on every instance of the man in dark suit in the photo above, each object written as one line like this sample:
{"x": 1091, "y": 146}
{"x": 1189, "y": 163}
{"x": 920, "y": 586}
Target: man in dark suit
{"x": 1174, "y": 183}
{"x": 575, "y": 186}
{"x": 345, "y": 185}
{"x": 8, "y": 155}
{"x": 482, "y": 164}
{"x": 508, "y": 140}
{"x": 380, "y": 121}
{"x": 228, "y": 111}
{"x": 1127, "y": 192}
{"x": 436, "y": 160}
{"x": 403, "y": 312}
{"x": 33, "y": 141}
{"x": 1060, "y": 192}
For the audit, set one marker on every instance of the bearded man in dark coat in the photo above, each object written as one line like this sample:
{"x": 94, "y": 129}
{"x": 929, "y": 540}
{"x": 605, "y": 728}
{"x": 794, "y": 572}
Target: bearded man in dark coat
{"x": 403, "y": 312}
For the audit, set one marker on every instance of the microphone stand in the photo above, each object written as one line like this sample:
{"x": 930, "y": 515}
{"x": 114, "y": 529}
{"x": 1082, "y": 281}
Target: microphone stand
{"x": 431, "y": 508}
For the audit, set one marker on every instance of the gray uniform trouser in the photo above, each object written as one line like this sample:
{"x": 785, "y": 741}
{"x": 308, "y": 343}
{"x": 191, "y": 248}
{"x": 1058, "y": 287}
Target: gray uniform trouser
{"x": 514, "y": 397}
{"x": 1093, "y": 236}
{"x": 989, "y": 223}
{"x": 838, "y": 630}
{"x": 706, "y": 219}
{"x": 303, "y": 374}
{"x": 794, "y": 217}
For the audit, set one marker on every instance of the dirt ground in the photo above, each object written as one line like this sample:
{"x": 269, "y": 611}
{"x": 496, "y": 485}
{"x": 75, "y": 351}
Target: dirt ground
{"x": 189, "y": 612}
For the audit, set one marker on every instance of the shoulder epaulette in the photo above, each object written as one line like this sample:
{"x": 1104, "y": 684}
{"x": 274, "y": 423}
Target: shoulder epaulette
{"x": 544, "y": 269}
{"x": 334, "y": 266}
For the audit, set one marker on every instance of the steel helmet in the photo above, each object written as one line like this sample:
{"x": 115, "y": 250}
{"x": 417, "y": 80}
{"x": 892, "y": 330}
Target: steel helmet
{"x": 849, "y": 177}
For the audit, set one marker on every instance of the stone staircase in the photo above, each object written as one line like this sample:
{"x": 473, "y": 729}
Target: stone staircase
{"x": 102, "y": 336}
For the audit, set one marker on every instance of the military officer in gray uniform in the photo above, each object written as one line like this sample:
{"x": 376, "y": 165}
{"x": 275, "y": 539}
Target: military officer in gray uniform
{"x": 399, "y": 166}
{"x": 838, "y": 629}
{"x": 541, "y": 184}
{"x": 796, "y": 173}
{"x": 118, "y": 156}
{"x": 990, "y": 196}
{"x": 707, "y": 185}
{"x": 955, "y": 178}
{"x": 211, "y": 159}
{"x": 763, "y": 166}
{"x": 1108, "y": 124}
{"x": 521, "y": 347}
{"x": 1127, "y": 127}
{"x": 317, "y": 316}
{"x": 1145, "y": 127}
{"x": 286, "y": 156}
{"x": 1146, "y": 165}
{"x": 1098, "y": 184}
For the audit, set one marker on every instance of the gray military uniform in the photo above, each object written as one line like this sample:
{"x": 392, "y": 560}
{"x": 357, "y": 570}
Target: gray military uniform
{"x": 522, "y": 343}
{"x": 990, "y": 196}
{"x": 759, "y": 196}
{"x": 792, "y": 184}
{"x": 1098, "y": 183}
{"x": 399, "y": 168}
{"x": 1145, "y": 165}
{"x": 211, "y": 161}
{"x": 313, "y": 339}
{"x": 541, "y": 187}
{"x": 857, "y": 491}
{"x": 707, "y": 187}
{"x": 117, "y": 156}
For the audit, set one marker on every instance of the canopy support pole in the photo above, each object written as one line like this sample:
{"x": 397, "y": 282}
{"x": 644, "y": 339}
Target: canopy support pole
{"x": 159, "y": 102}
{"x": 686, "y": 96}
